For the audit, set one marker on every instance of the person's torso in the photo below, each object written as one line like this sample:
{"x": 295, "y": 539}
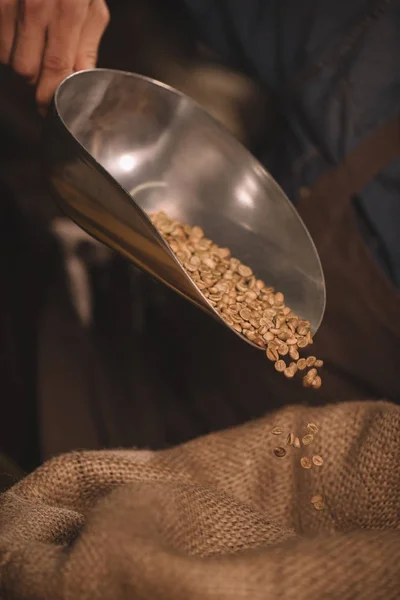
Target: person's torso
{"x": 333, "y": 68}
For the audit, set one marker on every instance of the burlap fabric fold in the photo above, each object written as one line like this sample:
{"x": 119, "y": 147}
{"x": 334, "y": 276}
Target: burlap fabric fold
{"x": 218, "y": 518}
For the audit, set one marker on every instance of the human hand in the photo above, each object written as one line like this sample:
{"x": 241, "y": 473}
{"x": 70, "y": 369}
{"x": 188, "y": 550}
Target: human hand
{"x": 47, "y": 40}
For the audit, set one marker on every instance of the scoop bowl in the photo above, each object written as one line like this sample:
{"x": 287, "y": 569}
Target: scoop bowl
{"x": 119, "y": 147}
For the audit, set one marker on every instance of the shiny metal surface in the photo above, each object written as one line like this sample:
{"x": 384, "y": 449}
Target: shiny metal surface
{"x": 109, "y": 132}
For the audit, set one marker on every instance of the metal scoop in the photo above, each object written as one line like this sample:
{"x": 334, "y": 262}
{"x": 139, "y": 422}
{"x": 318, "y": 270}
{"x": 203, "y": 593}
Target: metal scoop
{"x": 120, "y": 146}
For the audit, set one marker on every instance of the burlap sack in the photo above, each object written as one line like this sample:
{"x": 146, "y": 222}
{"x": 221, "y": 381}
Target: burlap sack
{"x": 218, "y": 518}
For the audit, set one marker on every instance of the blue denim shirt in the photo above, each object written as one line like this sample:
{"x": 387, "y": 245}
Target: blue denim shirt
{"x": 334, "y": 69}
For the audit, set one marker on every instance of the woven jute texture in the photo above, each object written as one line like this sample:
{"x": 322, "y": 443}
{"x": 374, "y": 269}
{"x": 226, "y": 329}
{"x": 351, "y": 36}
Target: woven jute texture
{"x": 218, "y": 518}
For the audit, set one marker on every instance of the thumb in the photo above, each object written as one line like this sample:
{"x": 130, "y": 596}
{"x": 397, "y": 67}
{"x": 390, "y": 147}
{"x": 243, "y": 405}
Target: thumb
{"x": 92, "y": 31}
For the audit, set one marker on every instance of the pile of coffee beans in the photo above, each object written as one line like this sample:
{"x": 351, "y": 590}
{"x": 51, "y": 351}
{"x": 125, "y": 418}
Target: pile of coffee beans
{"x": 252, "y": 308}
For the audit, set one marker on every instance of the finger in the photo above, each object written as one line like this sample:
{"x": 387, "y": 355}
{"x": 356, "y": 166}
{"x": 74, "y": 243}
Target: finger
{"x": 30, "y": 40}
{"x": 8, "y": 27}
{"x": 95, "y": 25}
{"x": 63, "y": 37}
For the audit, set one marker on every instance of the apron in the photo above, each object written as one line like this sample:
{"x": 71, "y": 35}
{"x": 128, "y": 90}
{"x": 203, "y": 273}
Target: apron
{"x": 210, "y": 379}
{"x": 360, "y": 336}
{"x": 221, "y": 381}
